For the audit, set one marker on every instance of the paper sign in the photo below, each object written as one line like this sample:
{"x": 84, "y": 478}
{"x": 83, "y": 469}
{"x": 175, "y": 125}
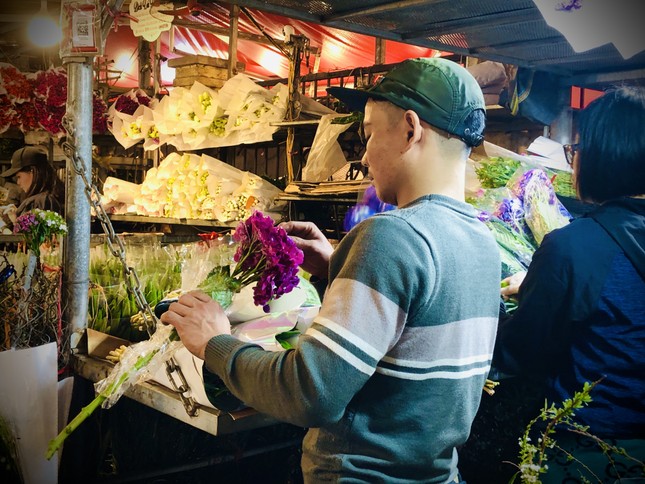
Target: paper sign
{"x": 149, "y": 22}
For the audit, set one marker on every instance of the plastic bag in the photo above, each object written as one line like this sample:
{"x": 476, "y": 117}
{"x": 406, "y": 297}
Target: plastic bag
{"x": 326, "y": 155}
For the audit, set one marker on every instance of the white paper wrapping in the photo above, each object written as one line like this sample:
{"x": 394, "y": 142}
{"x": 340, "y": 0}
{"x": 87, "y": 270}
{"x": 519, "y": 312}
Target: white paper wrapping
{"x": 261, "y": 331}
{"x": 326, "y": 155}
{"x": 200, "y": 117}
{"x": 117, "y": 190}
{"x": 29, "y": 402}
{"x": 197, "y": 187}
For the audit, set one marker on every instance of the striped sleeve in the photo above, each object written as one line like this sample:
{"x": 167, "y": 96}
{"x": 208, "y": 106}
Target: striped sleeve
{"x": 361, "y": 319}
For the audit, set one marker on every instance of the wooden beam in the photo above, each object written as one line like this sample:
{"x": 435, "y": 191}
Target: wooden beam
{"x": 379, "y": 52}
{"x": 232, "y": 43}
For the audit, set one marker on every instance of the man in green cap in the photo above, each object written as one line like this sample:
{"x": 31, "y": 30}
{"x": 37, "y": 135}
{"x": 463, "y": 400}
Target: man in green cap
{"x": 389, "y": 375}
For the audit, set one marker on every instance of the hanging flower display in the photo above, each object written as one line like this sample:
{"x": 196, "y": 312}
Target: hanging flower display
{"x": 7, "y": 113}
{"x": 128, "y": 102}
{"x": 51, "y": 86}
{"x": 38, "y": 101}
{"x": 27, "y": 117}
{"x": 99, "y": 115}
{"x": 15, "y": 84}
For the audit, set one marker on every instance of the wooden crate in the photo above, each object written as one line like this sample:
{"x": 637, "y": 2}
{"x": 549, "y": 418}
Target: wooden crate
{"x": 209, "y": 71}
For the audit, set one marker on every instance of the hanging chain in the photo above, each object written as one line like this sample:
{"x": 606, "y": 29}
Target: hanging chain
{"x": 115, "y": 244}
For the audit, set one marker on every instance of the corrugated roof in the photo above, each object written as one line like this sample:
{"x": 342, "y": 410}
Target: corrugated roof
{"x": 510, "y": 31}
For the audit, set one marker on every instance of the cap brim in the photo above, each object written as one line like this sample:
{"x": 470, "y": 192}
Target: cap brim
{"x": 354, "y": 99}
{"x": 9, "y": 172}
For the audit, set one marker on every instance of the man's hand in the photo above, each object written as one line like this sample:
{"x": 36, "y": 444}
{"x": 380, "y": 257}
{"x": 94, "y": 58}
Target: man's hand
{"x": 511, "y": 284}
{"x": 314, "y": 245}
{"x": 197, "y": 319}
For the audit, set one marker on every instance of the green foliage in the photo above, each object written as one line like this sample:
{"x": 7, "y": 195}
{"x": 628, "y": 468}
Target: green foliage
{"x": 496, "y": 171}
{"x": 563, "y": 184}
{"x": 533, "y": 457}
{"x": 356, "y": 116}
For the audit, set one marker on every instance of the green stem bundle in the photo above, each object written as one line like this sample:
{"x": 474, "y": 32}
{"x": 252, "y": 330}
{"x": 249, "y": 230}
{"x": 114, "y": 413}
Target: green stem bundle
{"x": 88, "y": 410}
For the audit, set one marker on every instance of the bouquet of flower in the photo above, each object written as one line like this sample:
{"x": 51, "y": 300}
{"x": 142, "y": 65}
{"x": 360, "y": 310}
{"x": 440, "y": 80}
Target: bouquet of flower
{"x": 14, "y": 84}
{"x": 265, "y": 255}
{"x": 543, "y": 211}
{"x": 39, "y": 226}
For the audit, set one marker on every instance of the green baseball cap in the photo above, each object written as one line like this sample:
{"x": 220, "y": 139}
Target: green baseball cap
{"x": 440, "y": 91}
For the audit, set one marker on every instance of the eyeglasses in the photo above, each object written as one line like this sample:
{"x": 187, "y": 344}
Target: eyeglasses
{"x": 570, "y": 151}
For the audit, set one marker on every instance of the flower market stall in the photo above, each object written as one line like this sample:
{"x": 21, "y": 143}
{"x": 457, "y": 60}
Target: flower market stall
{"x": 176, "y": 213}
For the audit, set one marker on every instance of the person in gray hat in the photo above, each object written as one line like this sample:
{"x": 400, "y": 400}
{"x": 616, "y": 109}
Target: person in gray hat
{"x": 38, "y": 180}
{"x": 390, "y": 373}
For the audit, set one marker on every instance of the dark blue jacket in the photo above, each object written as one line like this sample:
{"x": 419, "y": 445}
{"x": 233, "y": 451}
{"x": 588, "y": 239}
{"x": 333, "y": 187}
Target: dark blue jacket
{"x": 581, "y": 317}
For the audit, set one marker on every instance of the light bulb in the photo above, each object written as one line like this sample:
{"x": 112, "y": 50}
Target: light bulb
{"x": 42, "y": 30}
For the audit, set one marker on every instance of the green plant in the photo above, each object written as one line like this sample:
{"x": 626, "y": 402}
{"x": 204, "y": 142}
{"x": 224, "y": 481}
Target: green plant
{"x": 533, "y": 457}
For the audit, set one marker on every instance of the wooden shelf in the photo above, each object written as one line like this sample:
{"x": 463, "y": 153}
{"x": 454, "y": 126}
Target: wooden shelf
{"x": 172, "y": 221}
{"x": 158, "y": 397}
{"x": 349, "y": 200}
{"x": 11, "y": 238}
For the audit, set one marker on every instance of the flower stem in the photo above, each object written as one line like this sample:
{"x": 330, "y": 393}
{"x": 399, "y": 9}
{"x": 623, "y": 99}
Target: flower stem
{"x": 85, "y": 412}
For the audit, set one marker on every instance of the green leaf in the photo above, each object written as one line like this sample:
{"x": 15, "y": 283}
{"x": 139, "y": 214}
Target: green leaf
{"x": 284, "y": 337}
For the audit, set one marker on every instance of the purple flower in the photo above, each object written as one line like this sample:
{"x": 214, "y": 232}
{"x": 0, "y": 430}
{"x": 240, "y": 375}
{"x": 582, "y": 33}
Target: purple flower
{"x": 265, "y": 255}
{"x": 125, "y": 104}
{"x": 25, "y": 223}
{"x": 369, "y": 205}
{"x": 528, "y": 178}
{"x": 511, "y": 211}
{"x": 569, "y": 5}
{"x": 483, "y": 216}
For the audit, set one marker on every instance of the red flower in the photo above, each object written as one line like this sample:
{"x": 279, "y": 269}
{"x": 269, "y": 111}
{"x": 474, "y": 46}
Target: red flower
{"x": 18, "y": 87}
{"x": 51, "y": 86}
{"x": 27, "y": 117}
{"x": 99, "y": 114}
{"x": 7, "y": 113}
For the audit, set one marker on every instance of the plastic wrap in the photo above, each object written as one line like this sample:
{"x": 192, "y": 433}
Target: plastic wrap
{"x": 200, "y": 117}
{"x": 117, "y": 190}
{"x": 543, "y": 211}
{"x": 326, "y": 155}
{"x": 138, "y": 363}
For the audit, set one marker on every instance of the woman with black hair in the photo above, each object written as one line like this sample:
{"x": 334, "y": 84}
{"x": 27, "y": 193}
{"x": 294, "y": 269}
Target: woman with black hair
{"x": 581, "y": 313}
{"x": 37, "y": 178}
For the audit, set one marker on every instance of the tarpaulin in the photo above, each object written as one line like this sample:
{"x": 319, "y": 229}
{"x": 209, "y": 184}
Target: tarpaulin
{"x": 338, "y": 49}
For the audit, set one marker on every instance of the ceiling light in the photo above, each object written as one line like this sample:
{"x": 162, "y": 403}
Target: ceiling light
{"x": 43, "y": 30}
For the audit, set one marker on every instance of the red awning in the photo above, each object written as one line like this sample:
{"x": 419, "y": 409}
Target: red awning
{"x": 338, "y": 49}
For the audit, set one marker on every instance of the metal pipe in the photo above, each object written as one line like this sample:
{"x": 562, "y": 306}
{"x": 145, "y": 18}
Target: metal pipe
{"x": 77, "y": 208}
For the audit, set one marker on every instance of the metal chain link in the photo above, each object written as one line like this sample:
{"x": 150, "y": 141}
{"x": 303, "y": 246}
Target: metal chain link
{"x": 115, "y": 244}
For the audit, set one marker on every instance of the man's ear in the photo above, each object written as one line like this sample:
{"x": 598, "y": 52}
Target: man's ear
{"x": 413, "y": 127}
